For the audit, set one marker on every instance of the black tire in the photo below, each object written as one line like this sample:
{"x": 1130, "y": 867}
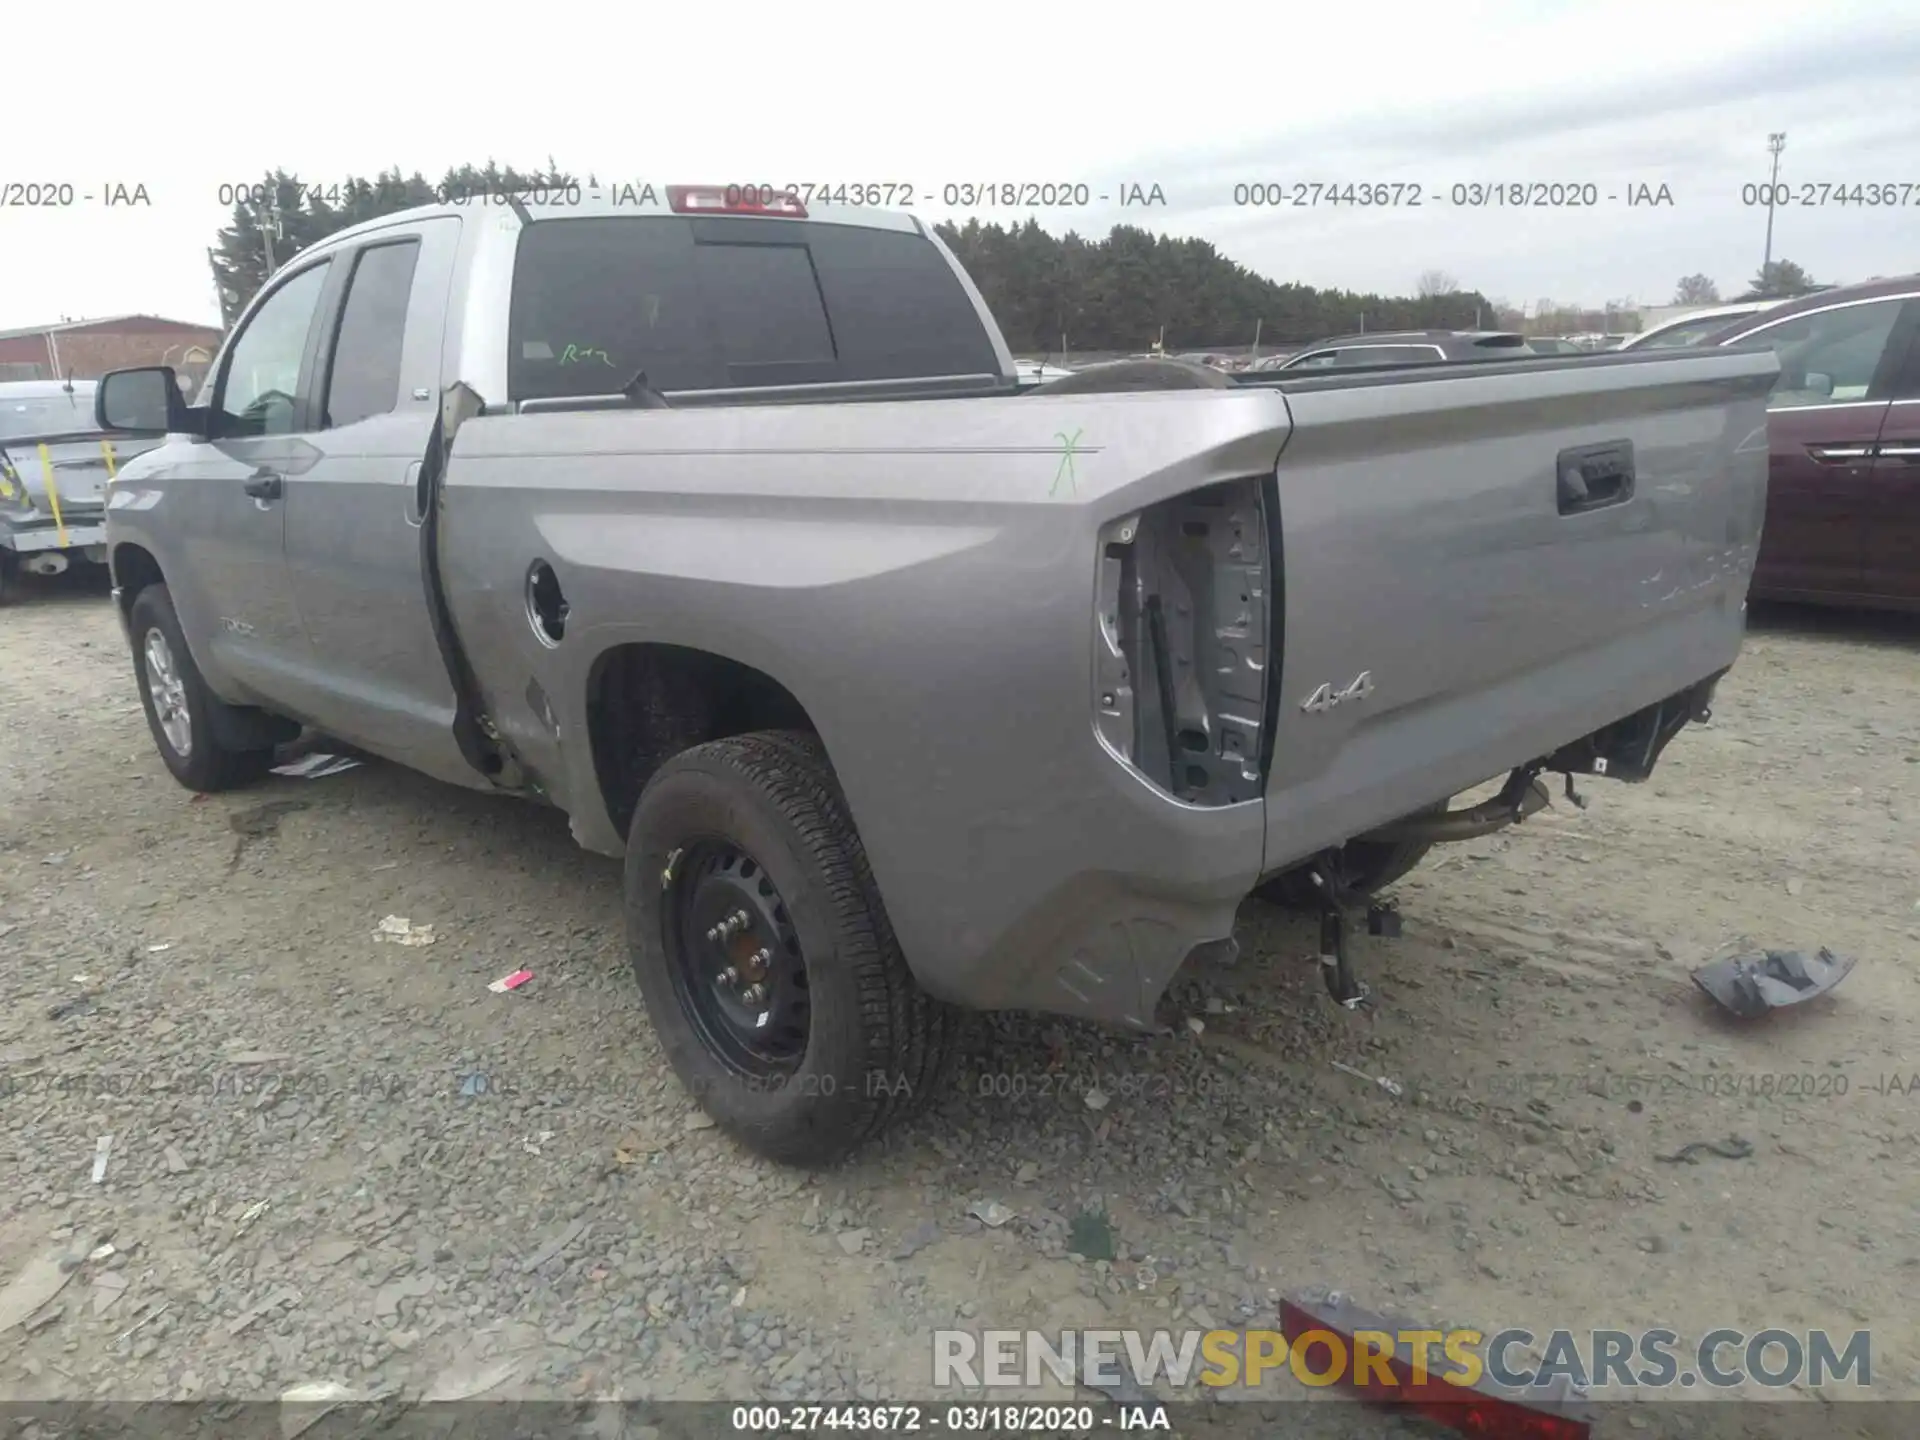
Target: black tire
{"x": 875, "y": 1045}
{"x": 205, "y": 764}
{"x": 1368, "y": 866}
{"x": 9, "y": 575}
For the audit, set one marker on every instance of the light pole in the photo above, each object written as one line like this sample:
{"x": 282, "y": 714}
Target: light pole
{"x": 1776, "y": 142}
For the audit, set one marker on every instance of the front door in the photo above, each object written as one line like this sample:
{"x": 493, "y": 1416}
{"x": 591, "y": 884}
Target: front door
{"x": 225, "y": 499}
{"x": 1893, "y": 533}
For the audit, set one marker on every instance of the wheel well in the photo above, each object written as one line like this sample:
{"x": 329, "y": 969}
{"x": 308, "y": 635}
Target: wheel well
{"x": 134, "y": 568}
{"x": 647, "y": 703}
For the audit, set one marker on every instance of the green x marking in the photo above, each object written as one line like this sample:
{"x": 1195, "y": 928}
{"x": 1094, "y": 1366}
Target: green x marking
{"x": 1065, "y": 472}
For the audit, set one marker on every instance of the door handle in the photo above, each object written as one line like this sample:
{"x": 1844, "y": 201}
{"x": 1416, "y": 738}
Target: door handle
{"x": 1902, "y": 450}
{"x": 1840, "y": 454}
{"x": 263, "y": 485}
{"x": 1592, "y": 477}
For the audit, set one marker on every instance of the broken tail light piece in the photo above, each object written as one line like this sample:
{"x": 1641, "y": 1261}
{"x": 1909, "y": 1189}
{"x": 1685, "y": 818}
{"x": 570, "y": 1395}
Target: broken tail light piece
{"x": 1328, "y": 1321}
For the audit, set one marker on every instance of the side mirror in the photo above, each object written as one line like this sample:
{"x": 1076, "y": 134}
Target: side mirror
{"x": 146, "y": 401}
{"x": 1819, "y": 382}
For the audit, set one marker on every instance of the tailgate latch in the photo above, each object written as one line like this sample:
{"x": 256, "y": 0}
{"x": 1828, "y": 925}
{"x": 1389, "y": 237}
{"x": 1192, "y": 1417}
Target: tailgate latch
{"x": 1593, "y": 477}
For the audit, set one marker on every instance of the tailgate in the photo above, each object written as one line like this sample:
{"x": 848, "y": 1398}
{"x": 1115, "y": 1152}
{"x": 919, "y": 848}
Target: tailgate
{"x": 1478, "y": 569}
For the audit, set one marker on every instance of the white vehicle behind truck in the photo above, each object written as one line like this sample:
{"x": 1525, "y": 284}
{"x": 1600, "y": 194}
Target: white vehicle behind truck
{"x": 55, "y": 466}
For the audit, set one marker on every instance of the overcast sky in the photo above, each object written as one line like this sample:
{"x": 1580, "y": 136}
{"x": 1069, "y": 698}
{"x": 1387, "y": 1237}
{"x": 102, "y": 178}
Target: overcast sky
{"x": 1615, "y": 94}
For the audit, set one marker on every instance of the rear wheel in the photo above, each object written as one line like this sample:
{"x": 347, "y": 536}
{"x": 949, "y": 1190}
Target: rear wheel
{"x": 765, "y": 957}
{"x": 181, "y": 710}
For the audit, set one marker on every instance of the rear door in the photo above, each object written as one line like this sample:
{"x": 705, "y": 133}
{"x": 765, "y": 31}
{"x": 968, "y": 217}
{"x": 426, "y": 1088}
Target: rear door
{"x": 353, "y": 518}
{"x": 1824, "y": 419}
{"x": 1892, "y": 562}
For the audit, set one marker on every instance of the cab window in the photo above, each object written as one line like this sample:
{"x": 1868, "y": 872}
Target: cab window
{"x": 261, "y": 381}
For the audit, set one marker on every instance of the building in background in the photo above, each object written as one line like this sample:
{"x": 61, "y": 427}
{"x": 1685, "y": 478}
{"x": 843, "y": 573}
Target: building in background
{"x": 87, "y": 349}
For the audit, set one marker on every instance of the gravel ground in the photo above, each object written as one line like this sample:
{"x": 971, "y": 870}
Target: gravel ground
{"x": 334, "y": 1159}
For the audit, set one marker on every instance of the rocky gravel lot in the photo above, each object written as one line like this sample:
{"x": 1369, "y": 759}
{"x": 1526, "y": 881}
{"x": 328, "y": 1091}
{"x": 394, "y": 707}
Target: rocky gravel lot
{"x": 333, "y": 1159}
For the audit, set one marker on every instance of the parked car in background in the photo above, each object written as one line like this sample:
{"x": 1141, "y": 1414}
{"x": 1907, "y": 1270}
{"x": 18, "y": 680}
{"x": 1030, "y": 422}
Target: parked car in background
{"x": 1691, "y": 329}
{"x": 1554, "y": 345}
{"x": 1038, "y": 372}
{"x": 1408, "y": 347}
{"x": 1843, "y": 423}
{"x": 54, "y": 467}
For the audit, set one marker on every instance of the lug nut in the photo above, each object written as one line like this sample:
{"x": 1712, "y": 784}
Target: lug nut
{"x": 754, "y": 994}
{"x": 762, "y": 955}
{"x": 729, "y": 976}
{"x": 713, "y": 932}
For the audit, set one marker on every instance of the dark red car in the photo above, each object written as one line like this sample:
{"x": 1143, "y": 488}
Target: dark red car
{"x": 1843, "y": 493}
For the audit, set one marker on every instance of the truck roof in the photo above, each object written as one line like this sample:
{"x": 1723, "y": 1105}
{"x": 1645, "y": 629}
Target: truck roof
{"x": 629, "y": 198}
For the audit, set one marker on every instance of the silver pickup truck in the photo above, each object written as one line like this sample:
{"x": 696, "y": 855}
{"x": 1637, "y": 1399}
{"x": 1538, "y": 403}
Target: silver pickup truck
{"x": 728, "y": 529}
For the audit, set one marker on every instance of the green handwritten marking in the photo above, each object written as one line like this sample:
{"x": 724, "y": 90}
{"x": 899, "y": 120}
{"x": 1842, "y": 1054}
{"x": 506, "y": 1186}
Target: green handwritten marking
{"x": 1065, "y": 472}
{"x": 577, "y": 355}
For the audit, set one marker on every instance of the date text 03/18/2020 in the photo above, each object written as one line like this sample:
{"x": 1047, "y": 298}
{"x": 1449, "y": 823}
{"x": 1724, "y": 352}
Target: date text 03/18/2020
{"x": 1007, "y": 1419}
{"x": 1461, "y": 195}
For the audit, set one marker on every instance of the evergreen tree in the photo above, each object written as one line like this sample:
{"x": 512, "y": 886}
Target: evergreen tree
{"x": 1112, "y": 294}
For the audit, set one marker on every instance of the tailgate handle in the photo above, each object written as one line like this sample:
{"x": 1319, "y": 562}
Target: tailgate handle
{"x": 1592, "y": 477}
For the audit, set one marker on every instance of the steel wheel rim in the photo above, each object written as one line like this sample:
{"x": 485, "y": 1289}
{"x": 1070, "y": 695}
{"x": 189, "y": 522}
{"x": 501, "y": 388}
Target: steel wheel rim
{"x": 168, "y": 692}
{"x": 736, "y": 962}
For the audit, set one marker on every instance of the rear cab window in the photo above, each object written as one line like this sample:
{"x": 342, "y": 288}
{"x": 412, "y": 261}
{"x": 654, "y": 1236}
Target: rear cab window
{"x": 718, "y": 303}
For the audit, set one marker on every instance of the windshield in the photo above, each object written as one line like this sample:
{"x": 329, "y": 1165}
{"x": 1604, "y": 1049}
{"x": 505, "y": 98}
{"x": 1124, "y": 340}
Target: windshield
{"x": 1355, "y": 355}
{"x": 61, "y": 414}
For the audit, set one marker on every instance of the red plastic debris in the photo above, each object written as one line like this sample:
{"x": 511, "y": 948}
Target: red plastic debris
{"x": 1485, "y": 1409}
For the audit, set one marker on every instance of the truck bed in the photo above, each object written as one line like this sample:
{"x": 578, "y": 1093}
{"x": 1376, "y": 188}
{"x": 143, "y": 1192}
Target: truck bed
{"x": 925, "y": 579}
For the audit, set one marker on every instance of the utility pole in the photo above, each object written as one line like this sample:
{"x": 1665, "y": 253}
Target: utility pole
{"x": 1776, "y": 142}
{"x": 266, "y": 215}
{"x": 269, "y": 230}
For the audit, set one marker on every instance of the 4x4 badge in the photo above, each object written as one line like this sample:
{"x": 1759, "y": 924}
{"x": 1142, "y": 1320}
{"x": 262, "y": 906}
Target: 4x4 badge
{"x": 1326, "y": 697}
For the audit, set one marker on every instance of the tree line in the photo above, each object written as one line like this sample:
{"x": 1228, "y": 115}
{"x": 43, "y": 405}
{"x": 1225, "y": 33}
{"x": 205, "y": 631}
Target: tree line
{"x": 1775, "y": 280}
{"x": 1124, "y": 292}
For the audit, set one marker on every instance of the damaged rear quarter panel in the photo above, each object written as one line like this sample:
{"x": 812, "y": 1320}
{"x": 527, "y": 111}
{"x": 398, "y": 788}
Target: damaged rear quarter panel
{"x": 927, "y": 593}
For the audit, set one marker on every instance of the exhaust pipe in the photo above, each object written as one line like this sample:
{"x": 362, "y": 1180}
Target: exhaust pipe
{"x": 47, "y": 562}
